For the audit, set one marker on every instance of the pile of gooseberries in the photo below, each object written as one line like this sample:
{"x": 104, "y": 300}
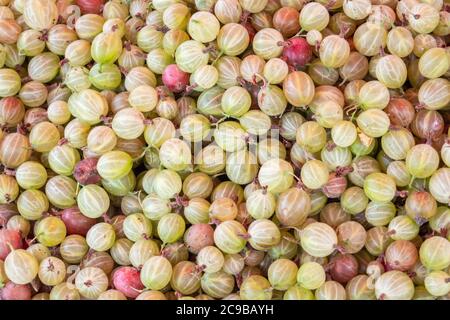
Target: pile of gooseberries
{"x": 224, "y": 149}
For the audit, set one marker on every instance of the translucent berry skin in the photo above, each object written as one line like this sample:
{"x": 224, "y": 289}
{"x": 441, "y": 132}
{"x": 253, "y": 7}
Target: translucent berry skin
{"x": 344, "y": 268}
{"x": 12, "y": 291}
{"x": 76, "y": 222}
{"x": 175, "y": 79}
{"x": 297, "y": 52}
{"x": 90, "y": 6}
{"x": 198, "y": 236}
{"x": 9, "y": 238}
{"x": 128, "y": 281}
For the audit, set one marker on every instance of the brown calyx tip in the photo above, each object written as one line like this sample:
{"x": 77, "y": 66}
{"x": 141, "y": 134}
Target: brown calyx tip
{"x": 390, "y": 233}
{"x": 73, "y": 21}
{"x": 44, "y": 36}
{"x": 106, "y": 218}
{"x": 181, "y": 201}
{"x": 139, "y": 28}
{"x": 164, "y": 253}
{"x": 339, "y": 248}
{"x": 22, "y": 128}
{"x": 401, "y": 193}
{"x": 214, "y": 222}
{"x": 50, "y": 266}
{"x": 9, "y": 172}
{"x": 245, "y": 236}
{"x": 264, "y": 189}
{"x": 123, "y": 70}
{"x": 250, "y": 139}
{"x": 284, "y": 44}
{"x": 18, "y": 68}
{"x": 330, "y": 146}
{"x": 343, "y": 31}
{"x": 60, "y": 19}
{"x": 288, "y": 144}
{"x": 53, "y": 86}
{"x": 343, "y": 171}
{"x": 106, "y": 120}
{"x": 209, "y": 49}
{"x": 146, "y": 236}
{"x": 419, "y": 106}
{"x": 163, "y": 29}
{"x": 245, "y": 16}
{"x": 405, "y": 19}
{"x": 26, "y": 79}
{"x": 62, "y": 142}
{"x": 163, "y": 92}
{"x": 188, "y": 90}
{"x": 200, "y": 268}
